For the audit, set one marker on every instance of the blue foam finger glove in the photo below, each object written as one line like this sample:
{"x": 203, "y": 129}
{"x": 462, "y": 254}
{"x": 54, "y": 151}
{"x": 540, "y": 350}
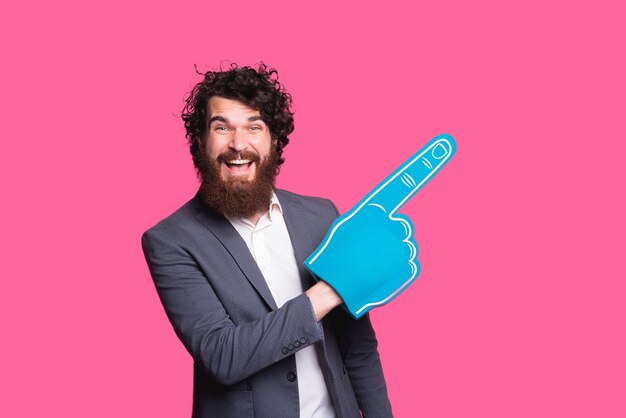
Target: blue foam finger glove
{"x": 369, "y": 255}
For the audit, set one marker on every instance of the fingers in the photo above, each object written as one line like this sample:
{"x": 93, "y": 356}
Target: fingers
{"x": 411, "y": 176}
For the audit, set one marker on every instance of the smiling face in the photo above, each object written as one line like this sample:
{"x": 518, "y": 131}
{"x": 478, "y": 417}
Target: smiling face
{"x": 237, "y": 139}
{"x": 239, "y": 160}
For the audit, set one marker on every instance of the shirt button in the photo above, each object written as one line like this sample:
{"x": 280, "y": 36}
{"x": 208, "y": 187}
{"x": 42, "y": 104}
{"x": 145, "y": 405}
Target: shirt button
{"x": 285, "y": 350}
{"x": 291, "y": 376}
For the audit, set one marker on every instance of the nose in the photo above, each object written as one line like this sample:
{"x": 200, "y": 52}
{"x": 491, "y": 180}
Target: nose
{"x": 238, "y": 141}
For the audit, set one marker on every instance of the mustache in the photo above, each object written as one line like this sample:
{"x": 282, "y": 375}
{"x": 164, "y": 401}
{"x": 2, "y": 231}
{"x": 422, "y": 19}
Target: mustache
{"x": 233, "y": 155}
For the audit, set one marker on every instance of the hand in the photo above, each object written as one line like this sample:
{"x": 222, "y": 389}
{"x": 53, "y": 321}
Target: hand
{"x": 369, "y": 254}
{"x": 323, "y": 299}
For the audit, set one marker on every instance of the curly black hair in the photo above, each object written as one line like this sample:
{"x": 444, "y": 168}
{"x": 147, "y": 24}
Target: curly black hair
{"x": 257, "y": 88}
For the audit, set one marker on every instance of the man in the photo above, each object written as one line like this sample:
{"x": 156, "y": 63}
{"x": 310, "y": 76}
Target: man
{"x": 228, "y": 267}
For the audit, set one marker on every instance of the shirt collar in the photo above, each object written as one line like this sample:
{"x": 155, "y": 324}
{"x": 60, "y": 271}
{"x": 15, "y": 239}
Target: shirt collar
{"x": 274, "y": 206}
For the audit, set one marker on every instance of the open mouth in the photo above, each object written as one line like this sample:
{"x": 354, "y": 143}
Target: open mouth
{"x": 238, "y": 164}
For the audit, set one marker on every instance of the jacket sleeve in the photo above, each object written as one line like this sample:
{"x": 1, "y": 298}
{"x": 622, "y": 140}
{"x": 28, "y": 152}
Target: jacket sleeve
{"x": 228, "y": 352}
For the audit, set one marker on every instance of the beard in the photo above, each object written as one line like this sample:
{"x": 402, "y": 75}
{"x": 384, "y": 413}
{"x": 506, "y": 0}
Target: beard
{"x": 238, "y": 198}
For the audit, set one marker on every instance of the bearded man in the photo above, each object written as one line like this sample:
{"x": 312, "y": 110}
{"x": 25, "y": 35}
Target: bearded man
{"x": 265, "y": 338}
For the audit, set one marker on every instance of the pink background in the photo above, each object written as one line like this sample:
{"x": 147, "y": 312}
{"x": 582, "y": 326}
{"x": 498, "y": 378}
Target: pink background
{"x": 520, "y": 307}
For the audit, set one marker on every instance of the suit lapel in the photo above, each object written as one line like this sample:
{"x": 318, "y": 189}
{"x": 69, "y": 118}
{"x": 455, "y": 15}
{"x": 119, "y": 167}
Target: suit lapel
{"x": 223, "y": 230}
{"x": 299, "y": 234}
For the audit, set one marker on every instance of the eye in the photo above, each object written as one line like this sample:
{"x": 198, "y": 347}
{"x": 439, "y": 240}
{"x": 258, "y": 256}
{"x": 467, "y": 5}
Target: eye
{"x": 221, "y": 128}
{"x": 255, "y": 128}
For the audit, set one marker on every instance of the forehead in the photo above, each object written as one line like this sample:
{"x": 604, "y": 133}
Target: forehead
{"x": 230, "y": 109}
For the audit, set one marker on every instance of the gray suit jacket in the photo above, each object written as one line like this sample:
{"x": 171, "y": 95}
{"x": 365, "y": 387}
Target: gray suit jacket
{"x": 222, "y": 310}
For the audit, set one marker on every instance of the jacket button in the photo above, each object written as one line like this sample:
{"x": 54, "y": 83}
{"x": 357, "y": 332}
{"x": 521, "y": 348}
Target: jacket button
{"x": 296, "y": 343}
{"x": 291, "y": 376}
{"x": 285, "y": 350}
{"x": 290, "y": 346}
{"x": 302, "y": 340}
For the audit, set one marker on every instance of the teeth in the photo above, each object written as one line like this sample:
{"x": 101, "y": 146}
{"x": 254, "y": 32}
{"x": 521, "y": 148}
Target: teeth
{"x": 238, "y": 162}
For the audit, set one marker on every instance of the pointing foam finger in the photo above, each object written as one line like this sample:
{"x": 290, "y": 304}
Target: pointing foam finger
{"x": 406, "y": 180}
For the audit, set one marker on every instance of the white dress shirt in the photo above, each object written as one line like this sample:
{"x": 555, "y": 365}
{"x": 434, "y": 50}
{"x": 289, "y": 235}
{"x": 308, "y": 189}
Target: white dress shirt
{"x": 270, "y": 245}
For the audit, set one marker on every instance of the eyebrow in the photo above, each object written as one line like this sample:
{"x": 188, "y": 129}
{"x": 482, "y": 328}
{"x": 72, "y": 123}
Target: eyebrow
{"x": 225, "y": 120}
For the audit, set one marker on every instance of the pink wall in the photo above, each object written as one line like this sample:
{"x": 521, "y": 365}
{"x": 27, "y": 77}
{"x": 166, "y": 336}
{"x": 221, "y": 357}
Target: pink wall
{"x": 519, "y": 310}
